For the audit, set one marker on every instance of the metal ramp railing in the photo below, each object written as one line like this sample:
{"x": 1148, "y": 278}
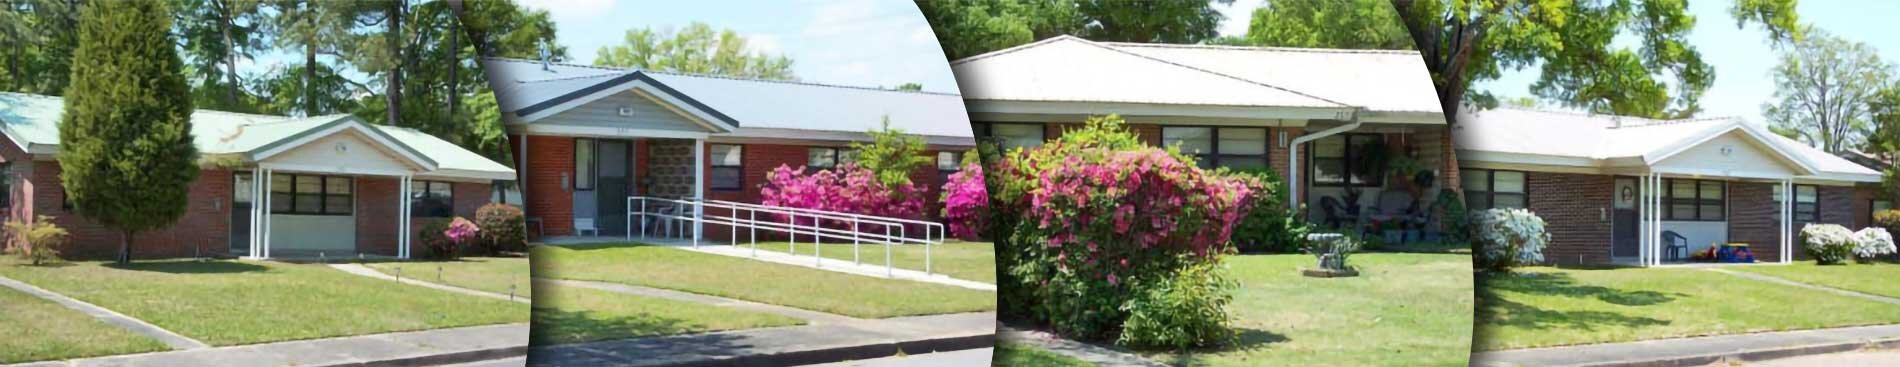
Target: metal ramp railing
{"x": 673, "y": 216}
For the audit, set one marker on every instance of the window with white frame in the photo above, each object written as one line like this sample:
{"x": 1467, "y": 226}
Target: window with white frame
{"x": 305, "y": 194}
{"x": 1494, "y": 189}
{"x": 728, "y": 172}
{"x": 431, "y": 199}
{"x": 1242, "y": 148}
{"x": 1807, "y": 203}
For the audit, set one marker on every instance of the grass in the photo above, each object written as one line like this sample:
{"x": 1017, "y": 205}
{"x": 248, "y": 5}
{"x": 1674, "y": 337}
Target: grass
{"x": 1402, "y": 310}
{"x": 962, "y": 260}
{"x": 488, "y": 274}
{"x": 233, "y": 303}
{"x": 1010, "y": 354}
{"x": 757, "y": 281}
{"x": 564, "y": 314}
{"x": 1875, "y": 278}
{"x": 33, "y": 329}
{"x": 1542, "y": 306}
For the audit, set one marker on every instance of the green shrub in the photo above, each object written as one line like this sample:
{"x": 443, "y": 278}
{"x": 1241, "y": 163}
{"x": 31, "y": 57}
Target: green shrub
{"x": 1828, "y": 244}
{"x": 1185, "y": 310}
{"x": 1508, "y": 238}
{"x": 1453, "y": 219}
{"x": 438, "y": 244}
{"x": 37, "y": 242}
{"x": 1270, "y": 226}
{"x": 503, "y": 228}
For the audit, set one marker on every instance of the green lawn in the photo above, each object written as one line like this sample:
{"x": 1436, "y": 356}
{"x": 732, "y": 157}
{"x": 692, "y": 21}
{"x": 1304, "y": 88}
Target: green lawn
{"x": 33, "y": 329}
{"x": 489, "y": 274}
{"x": 1549, "y": 307}
{"x": 565, "y": 314}
{"x": 757, "y": 281}
{"x": 962, "y": 260}
{"x": 244, "y": 302}
{"x": 1877, "y": 278}
{"x": 1404, "y": 309}
{"x": 1010, "y": 354}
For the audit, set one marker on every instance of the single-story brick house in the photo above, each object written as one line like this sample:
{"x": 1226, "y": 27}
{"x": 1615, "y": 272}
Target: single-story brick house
{"x": 1307, "y": 114}
{"x": 336, "y": 185}
{"x": 1622, "y": 190}
{"x": 585, "y": 137}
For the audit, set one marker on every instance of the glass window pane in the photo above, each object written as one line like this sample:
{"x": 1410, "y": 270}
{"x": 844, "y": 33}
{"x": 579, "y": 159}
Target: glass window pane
{"x": 1477, "y": 202}
{"x": 1478, "y": 180}
{"x": 1806, "y": 194}
{"x": 1012, "y": 136}
{"x": 309, "y": 184}
{"x": 1244, "y": 162}
{"x": 241, "y": 188}
{"x": 1711, "y": 212}
{"x": 947, "y": 161}
{"x": 584, "y": 164}
{"x": 1684, "y": 189}
{"x": 1508, "y": 201}
{"x": 847, "y": 156}
{"x": 1882, "y": 205}
{"x": 1332, "y": 171}
{"x": 1711, "y": 190}
{"x": 1330, "y": 147}
{"x": 726, "y": 178}
{"x": 724, "y": 155}
{"x": 1193, "y": 140}
{"x": 441, "y": 189}
{"x": 336, "y": 185}
{"x": 1682, "y": 211}
{"x": 1509, "y": 181}
{"x": 1243, "y": 141}
{"x": 280, "y": 183}
{"x": 821, "y": 157}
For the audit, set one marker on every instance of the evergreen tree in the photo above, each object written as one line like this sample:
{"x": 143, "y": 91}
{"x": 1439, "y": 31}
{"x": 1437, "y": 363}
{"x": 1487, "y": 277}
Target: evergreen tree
{"x": 126, "y": 153}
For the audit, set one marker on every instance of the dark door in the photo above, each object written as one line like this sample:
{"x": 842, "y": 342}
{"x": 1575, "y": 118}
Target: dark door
{"x": 613, "y": 185}
{"x": 1624, "y": 218}
{"x": 241, "y": 214}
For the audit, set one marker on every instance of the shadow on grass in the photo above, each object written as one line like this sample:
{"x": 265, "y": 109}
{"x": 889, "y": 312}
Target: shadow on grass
{"x": 1245, "y": 340}
{"x": 554, "y": 326}
{"x": 1495, "y": 311}
{"x": 191, "y": 267}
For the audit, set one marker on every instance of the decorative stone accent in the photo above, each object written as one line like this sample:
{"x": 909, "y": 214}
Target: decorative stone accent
{"x": 671, "y": 167}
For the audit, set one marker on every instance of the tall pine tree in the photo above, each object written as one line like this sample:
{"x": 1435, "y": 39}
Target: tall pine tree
{"x": 126, "y": 155}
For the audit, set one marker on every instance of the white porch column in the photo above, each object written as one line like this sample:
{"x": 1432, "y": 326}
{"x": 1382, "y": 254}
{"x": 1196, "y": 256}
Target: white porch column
{"x": 699, "y": 187}
{"x": 263, "y": 249}
{"x": 257, "y": 210}
{"x": 1642, "y": 220}
{"x": 402, "y": 217}
{"x": 1787, "y": 221}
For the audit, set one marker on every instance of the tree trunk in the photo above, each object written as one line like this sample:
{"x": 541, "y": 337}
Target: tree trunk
{"x": 310, "y": 77}
{"x": 392, "y": 90}
{"x": 230, "y": 54}
{"x": 125, "y": 248}
{"x": 455, "y": 62}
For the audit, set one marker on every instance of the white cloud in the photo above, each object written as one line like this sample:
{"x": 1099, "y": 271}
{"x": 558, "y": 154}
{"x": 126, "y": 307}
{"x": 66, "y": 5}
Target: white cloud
{"x": 564, "y": 10}
{"x": 766, "y": 43}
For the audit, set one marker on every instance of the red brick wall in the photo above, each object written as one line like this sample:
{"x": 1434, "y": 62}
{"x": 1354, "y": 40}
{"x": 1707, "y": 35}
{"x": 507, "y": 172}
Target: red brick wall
{"x": 378, "y": 199}
{"x": 549, "y": 159}
{"x": 1863, "y": 210}
{"x": 1573, "y": 206}
{"x": 759, "y": 160}
{"x": 1755, "y": 218}
{"x": 203, "y": 230}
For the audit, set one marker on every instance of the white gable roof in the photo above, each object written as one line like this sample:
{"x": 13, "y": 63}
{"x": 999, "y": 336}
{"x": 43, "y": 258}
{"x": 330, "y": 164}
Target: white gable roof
{"x": 1510, "y": 135}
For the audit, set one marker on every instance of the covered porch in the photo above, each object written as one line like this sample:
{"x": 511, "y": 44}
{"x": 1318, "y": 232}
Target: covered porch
{"x": 1378, "y": 179}
{"x": 340, "y": 190}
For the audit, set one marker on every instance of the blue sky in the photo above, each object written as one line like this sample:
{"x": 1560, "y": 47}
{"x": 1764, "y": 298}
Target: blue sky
{"x": 1742, "y": 58}
{"x": 852, "y": 42}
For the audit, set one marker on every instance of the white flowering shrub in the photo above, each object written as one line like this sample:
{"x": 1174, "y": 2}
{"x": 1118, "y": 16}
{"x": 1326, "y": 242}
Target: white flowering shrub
{"x": 1872, "y": 242}
{"x": 1507, "y": 238}
{"x": 1828, "y": 244}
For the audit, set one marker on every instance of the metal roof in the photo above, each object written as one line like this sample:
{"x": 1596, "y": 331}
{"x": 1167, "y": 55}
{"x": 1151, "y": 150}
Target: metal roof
{"x": 1601, "y": 137}
{"x": 760, "y": 108}
{"x": 32, "y": 122}
{"x": 1377, "y": 80}
{"x": 1070, "y": 69}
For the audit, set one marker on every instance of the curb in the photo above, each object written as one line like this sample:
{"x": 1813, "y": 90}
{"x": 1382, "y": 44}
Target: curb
{"x": 1756, "y": 355}
{"x": 441, "y": 359}
{"x": 841, "y": 354}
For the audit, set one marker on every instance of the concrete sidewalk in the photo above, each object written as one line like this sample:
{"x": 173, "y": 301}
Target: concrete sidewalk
{"x": 359, "y": 269}
{"x": 171, "y": 339}
{"x": 783, "y": 346}
{"x": 1700, "y": 351}
{"x": 419, "y": 348}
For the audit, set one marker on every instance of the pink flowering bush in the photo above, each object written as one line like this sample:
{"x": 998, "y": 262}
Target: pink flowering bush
{"x": 1099, "y": 227}
{"x": 966, "y": 203}
{"x": 847, "y": 188}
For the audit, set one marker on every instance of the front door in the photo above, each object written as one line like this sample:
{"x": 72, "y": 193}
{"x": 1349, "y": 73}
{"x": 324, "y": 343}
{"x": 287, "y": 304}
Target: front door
{"x": 1624, "y": 218}
{"x": 241, "y": 214}
{"x": 613, "y": 187}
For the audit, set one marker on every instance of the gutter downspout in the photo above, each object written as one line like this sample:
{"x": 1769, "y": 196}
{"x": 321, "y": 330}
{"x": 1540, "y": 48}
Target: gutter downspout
{"x": 1293, "y": 157}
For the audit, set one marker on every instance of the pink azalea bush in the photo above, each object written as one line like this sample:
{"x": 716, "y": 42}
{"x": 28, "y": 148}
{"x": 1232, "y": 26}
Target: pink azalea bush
{"x": 966, "y": 203}
{"x": 1100, "y": 229}
{"x": 847, "y": 188}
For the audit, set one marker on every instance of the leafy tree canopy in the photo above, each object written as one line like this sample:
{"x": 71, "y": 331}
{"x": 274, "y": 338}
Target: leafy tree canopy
{"x": 697, "y": 49}
{"x": 892, "y": 155}
{"x": 969, "y": 27}
{"x": 1826, "y": 92}
{"x": 1353, "y": 24}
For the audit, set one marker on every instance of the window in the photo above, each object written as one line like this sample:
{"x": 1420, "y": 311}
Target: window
{"x": 727, "y": 174}
{"x": 1011, "y": 136}
{"x": 1493, "y": 189}
{"x": 948, "y": 163}
{"x": 311, "y": 194}
{"x": 829, "y": 157}
{"x": 1807, "y": 199}
{"x": 1232, "y": 147}
{"x": 583, "y": 164}
{"x": 1335, "y": 159}
{"x": 6, "y": 185}
{"x": 431, "y": 199}
{"x": 1876, "y": 206}
{"x": 1694, "y": 200}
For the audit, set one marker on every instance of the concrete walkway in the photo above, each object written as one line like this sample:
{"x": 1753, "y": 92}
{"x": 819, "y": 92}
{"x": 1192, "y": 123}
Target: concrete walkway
{"x": 359, "y": 269}
{"x": 783, "y": 346}
{"x": 1090, "y": 353}
{"x": 814, "y": 317}
{"x": 1699, "y": 351}
{"x": 420, "y": 348}
{"x": 961, "y": 358}
{"x": 141, "y": 327}
{"x": 870, "y": 268}
{"x": 1844, "y": 292}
